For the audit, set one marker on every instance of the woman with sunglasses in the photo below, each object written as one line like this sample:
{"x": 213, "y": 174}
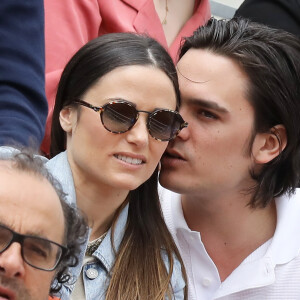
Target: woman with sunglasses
{"x": 71, "y": 24}
{"x": 115, "y": 111}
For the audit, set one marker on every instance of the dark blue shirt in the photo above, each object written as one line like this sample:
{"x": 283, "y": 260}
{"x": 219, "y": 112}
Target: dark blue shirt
{"x": 23, "y": 105}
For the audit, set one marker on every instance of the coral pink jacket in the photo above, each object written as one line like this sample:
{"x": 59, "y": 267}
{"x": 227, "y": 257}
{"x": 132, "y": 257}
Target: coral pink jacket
{"x": 71, "y": 24}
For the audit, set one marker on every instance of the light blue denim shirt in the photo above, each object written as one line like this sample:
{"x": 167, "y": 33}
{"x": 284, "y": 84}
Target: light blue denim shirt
{"x": 95, "y": 287}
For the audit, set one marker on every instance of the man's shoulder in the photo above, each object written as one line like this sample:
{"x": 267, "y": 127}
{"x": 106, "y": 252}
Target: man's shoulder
{"x": 289, "y": 204}
{"x": 170, "y": 202}
{"x": 172, "y": 211}
{"x": 287, "y": 229}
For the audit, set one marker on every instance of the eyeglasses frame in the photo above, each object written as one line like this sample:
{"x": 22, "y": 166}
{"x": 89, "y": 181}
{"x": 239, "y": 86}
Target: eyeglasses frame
{"x": 100, "y": 109}
{"x": 19, "y": 238}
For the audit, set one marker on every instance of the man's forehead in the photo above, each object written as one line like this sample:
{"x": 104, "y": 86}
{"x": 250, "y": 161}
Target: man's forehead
{"x": 9, "y": 168}
{"x": 33, "y": 231}
{"x": 204, "y": 65}
{"x": 188, "y": 66}
{"x": 5, "y": 165}
{"x": 22, "y": 184}
{"x": 185, "y": 74}
{"x": 26, "y": 200}
{"x": 213, "y": 81}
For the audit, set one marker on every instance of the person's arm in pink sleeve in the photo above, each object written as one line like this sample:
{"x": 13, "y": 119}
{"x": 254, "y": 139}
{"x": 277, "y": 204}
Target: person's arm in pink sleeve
{"x": 68, "y": 26}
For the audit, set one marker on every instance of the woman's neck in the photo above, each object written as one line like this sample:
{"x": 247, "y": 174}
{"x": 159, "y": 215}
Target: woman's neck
{"x": 173, "y": 15}
{"x": 99, "y": 203}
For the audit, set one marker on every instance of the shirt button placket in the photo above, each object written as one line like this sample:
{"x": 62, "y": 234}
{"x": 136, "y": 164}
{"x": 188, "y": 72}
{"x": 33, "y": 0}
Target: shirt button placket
{"x": 91, "y": 273}
{"x": 206, "y": 282}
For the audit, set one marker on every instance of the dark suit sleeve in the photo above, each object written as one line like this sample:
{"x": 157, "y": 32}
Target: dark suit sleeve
{"x": 23, "y": 105}
{"x": 282, "y": 14}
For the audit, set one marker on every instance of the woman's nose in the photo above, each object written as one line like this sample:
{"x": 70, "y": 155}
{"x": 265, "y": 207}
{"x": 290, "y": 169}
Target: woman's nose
{"x": 139, "y": 133}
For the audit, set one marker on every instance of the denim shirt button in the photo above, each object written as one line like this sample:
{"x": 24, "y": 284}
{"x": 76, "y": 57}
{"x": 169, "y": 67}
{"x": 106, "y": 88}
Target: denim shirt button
{"x": 91, "y": 273}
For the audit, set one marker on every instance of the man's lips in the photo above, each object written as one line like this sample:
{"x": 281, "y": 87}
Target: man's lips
{"x": 173, "y": 154}
{"x": 6, "y": 293}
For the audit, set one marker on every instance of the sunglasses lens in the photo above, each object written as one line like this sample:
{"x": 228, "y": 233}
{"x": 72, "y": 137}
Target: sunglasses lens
{"x": 164, "y": 125}
{"x": 118, "y": 117}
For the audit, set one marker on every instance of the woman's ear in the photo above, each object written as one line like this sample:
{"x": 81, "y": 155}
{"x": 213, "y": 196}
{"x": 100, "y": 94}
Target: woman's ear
{"x": 267, "y": 146}
{"x": 66, "y": 119}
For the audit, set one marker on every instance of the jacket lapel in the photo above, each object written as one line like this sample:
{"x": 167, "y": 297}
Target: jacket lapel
{"x": 147, "y": 20}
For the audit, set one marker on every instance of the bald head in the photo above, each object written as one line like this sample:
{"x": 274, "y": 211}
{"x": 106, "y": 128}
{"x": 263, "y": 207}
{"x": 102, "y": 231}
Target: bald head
{"x": 29, "y": 205}
{"x": 33, "y": 203}
{"x": 28, "y": 195}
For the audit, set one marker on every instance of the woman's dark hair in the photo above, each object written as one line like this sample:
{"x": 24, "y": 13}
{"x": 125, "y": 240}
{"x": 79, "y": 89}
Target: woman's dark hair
{"x": 139, "y": 271}
{"x": 271, "y": 60}
{"x": 99, "y": 57}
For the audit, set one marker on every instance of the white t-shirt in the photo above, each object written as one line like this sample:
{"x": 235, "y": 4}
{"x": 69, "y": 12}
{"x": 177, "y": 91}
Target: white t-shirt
{"x": 271, "y": 272}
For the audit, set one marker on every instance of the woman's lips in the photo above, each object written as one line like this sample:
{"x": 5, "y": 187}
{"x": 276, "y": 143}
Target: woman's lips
{"x": 129, "y": 160}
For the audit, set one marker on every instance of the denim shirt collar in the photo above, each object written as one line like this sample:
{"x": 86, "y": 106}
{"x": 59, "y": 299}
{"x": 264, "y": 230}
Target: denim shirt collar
{"x": 60, "y": 169}
{"x": 105, "y": 252}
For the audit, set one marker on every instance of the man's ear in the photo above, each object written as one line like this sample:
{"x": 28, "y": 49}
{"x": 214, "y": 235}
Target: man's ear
{"x": 66, "y": 119}
{"x": 267, "y": 146}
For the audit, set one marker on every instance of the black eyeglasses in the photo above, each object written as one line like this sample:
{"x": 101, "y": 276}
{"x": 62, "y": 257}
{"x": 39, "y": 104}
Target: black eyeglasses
{"x": 119, "y": 116}
{"x": 37, "y": 252}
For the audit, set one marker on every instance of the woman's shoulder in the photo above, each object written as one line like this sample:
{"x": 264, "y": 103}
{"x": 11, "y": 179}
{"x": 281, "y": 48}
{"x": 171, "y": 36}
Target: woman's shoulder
{"x": 177, "y": 280}
{"x": 58, "y": 160}
{"x": 59, "y": 168}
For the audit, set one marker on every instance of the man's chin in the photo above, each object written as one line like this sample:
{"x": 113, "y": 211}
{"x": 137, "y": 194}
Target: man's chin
{"x": 165, "y": 180}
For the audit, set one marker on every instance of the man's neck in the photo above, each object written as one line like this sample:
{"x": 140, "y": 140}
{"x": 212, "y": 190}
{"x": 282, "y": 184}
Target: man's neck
{"x": 230, "y": 230}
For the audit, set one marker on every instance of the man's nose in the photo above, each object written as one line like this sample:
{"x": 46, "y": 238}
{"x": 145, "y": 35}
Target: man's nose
{"x": 11, "y": 261}
{"x": 185, "y": 132}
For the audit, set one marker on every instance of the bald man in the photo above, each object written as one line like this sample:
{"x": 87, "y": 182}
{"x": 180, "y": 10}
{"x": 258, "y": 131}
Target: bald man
{"x": 36, "y": 229}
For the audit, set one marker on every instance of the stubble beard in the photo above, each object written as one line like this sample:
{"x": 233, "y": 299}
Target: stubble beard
{"x": 20, "y": 291}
